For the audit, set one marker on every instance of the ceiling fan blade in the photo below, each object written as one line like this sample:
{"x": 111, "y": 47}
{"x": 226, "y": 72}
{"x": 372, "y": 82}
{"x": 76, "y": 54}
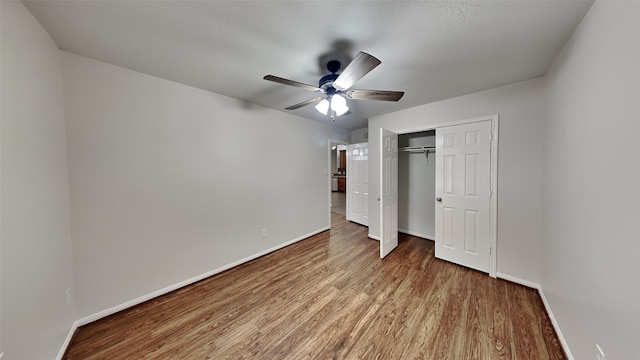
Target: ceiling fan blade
{"x": 291, "y": 83}
{"x": 305, "y": 103}
{"x": 357, "y": 68}
{"x": 382, "y": 95}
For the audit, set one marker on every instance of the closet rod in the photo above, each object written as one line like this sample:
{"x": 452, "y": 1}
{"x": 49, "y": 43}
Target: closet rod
{"x": 417, "y": 148}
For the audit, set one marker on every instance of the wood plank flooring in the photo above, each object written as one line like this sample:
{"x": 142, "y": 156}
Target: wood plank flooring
{"x": 331, "y": 297}
{"x": 339, "y": 202}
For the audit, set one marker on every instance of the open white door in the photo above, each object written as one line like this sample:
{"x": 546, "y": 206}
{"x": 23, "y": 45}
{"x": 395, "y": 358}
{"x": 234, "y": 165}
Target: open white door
{"x": 358, "y": 183}
{"x": 388, "y": 191}
{"x": 463, "y": 194}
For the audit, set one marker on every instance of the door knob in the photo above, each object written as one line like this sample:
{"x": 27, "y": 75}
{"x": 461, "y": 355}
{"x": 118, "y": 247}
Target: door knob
{"x": 439, "y": 199}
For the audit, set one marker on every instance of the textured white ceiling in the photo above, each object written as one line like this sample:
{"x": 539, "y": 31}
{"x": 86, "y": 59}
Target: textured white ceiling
{"x": 432, "y": 50}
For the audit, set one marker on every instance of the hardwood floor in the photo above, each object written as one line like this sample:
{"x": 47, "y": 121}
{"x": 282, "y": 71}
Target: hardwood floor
{"x": 331, "y": 297}
{"x": 339, "y": 202}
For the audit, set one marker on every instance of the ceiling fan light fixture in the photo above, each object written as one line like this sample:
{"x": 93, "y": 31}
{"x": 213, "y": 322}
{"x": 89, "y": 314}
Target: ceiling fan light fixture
{"x": 339, "y": 104}
{"x": 323, "y": 107}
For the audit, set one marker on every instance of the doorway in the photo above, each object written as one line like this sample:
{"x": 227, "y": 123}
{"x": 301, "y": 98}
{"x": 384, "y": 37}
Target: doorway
{"x": 337, "y": 179}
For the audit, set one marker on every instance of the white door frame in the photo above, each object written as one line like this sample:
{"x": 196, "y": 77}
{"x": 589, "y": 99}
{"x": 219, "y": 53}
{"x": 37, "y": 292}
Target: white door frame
{"x": 493, "y": 240}
{"x": 331, "y": 143}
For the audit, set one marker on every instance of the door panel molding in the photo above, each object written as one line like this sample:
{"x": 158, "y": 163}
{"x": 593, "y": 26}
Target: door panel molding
{"x": 358, "y": 183}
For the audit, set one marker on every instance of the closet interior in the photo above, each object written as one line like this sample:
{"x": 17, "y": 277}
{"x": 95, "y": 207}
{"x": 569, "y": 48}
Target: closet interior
{"x": 416, "y": 183}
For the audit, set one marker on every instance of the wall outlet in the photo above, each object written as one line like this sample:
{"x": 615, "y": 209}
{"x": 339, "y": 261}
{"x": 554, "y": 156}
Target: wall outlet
{"x": 263, "y": 233}
{"x": 69, "y": 296}
{"x": 599, "y": 353}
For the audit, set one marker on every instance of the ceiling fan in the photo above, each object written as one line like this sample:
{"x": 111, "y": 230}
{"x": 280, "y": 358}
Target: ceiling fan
{"x": 335, "y": 88}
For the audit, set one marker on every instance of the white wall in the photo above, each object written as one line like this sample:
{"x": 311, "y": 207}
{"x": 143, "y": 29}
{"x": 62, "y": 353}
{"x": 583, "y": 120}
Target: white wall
{"x": 590, "y": 187}
{"x": 35, "y": 235}
{"x": 334, "y": 160}
{"x": 359, "y": 135}
{"x": 169, "y": 182}
{"x": 416, "y": 187}
{"x": 521, "y": 110}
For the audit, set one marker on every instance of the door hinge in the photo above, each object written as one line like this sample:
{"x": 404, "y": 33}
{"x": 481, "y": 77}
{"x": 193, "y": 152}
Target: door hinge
{"x": 490, "y": 249}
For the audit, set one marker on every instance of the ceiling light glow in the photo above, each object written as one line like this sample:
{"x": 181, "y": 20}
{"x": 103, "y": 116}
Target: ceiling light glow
{"x": 339, "y": 104}
{"x": 323, "y": 106}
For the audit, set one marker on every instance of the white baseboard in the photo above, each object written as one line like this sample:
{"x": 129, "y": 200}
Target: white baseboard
{"x": 170, "y": 288}
{"x": 67, "y": 341}
{"x": 516, "y": 280}
{"x": 547, "y": 308}
{"x": 556, "y": 327}
{"x": 413, "y": 233}
{"x": 374, "y": 237}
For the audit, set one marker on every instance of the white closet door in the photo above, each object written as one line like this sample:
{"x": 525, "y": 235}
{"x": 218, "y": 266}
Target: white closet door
{"x": 388, "y": 191}
{"x": 463, "y": 194}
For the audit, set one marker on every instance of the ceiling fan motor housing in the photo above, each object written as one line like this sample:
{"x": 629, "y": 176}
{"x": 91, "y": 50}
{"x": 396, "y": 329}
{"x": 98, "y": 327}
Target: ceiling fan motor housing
{"x": 326, "y": 83}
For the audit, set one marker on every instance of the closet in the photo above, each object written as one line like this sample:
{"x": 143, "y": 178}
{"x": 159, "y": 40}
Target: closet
{"x": 416, "y": 183}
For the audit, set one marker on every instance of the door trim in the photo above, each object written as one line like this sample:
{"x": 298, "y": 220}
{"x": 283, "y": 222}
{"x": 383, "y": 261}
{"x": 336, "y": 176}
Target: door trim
{"x": 493, "y": 213}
